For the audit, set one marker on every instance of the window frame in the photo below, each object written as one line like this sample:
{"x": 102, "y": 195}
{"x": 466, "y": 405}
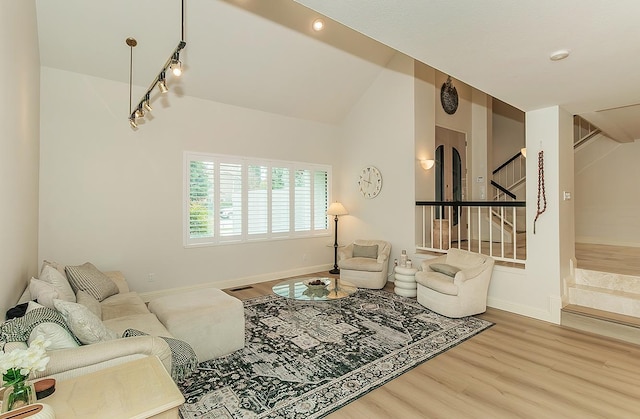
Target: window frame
{"x": 216, "y": 239}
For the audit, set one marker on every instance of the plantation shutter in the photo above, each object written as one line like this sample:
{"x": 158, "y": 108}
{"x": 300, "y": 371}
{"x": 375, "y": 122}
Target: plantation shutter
{"x": 231, "y": 198}
{"x": 280, "y": 200}
{"x": 302, "y": 200}
{"x": 201, "y": 202}
{"x": 320, "y": 199}
{"x": 257, "y": 200}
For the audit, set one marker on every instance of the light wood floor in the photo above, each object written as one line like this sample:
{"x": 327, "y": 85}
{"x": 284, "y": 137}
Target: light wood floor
{"x": 604, "y": 258}
{"x": 519, "y": 368}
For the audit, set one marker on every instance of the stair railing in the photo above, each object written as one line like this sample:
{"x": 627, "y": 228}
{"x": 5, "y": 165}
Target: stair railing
{"x": 486, "y": 227}
{"x": 583, "y": 131}
{"x": 510, "y": 173}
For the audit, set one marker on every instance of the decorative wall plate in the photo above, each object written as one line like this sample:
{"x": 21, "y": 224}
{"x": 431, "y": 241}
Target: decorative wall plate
{"x": 449, "y": 97}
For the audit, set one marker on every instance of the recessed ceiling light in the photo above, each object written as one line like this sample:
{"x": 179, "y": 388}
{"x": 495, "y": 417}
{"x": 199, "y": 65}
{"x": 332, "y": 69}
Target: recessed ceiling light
{"x": 560, "y": 54}
{"x": 318, "y": 25}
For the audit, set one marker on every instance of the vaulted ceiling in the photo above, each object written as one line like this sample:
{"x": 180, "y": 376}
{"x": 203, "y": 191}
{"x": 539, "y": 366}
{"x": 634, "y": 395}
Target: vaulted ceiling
{"x": 262, "y": 54}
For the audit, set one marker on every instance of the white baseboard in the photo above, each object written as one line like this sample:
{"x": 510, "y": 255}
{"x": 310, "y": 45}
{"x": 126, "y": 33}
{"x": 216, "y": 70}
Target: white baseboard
{"x": 551, "y": 316}
{"x": 236, "y": 282}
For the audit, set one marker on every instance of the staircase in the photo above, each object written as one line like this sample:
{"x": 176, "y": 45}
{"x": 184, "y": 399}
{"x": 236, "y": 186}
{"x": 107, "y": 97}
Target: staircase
{"x": 604, "y": 303}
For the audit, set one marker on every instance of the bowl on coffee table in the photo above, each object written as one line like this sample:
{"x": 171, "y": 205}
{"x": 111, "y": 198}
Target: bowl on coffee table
{"x": 316, "y": 283}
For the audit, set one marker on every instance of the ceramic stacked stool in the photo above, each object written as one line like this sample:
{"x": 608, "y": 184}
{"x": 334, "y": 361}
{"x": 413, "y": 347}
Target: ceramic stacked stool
{"x": 405, "y": 281}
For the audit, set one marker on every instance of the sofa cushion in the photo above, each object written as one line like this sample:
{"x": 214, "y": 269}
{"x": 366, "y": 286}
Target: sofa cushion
{"x": 438, "y": 282}
{"x": 87, "y": 327}
{"x": 147, "y": 323}
{"x": 19, "y": 329}
{"x": 361, "y": 264}
{"x": 58, "y": 336}
{"x": 55, "y": 265}
{"x": 89, "y": 302}
{"x": 88, "y": 278}
{"x": 52, "y": 276}
{"x": 120, "y": 305}
{"x": 365, "y": 251}
{"x": 43, "y": 292}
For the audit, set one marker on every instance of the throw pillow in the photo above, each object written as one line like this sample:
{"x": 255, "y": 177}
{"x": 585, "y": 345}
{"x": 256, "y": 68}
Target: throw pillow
{"x": 87, "y": 327}
{"x": 43, "y": 292}
{"x": 52, "y": 276}
{"x": 443, "y": 268}
{"x": 55, "y": 265}
{"x": 88, "y": 278}
{"x": 59, "y": 337}
{"x": 17, "y": 311}
{"x": 365, "y": 251}
{"x": 89, "y": 302}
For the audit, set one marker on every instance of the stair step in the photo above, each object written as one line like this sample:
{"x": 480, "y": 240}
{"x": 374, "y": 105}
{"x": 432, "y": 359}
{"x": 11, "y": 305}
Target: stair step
{"x": 603, "y": 315}
{"x": 599, "y": 298}
{"x": 601, "y": 322}
{"x": 613, "y": 281}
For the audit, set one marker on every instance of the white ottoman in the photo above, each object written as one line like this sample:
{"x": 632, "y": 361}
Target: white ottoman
{"x": 209, "y": 320}
{"x": 405, "y": 281}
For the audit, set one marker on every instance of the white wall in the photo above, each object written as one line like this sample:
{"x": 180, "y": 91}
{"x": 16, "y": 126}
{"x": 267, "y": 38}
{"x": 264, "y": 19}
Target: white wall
{"x": 606, "y": 193}
{"x": 113, "y": 196}
{"x": 379, "y": 131}
{"x": 508, "y": 132}
{"x": 550, "y": 250}
{"x": 19, "y": 137}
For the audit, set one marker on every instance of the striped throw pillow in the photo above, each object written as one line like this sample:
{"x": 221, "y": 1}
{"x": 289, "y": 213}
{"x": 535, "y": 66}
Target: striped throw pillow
{"x": 89, "y": 279}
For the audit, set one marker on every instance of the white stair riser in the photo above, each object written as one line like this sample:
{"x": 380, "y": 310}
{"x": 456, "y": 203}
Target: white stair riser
{"x": 611, "y": 281}
{"x": 629, "y": 306}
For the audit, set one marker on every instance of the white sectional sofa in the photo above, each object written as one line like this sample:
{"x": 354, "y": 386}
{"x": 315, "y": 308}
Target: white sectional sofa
{"x": 119, "y": 312}
{"x": 87, "y": 342}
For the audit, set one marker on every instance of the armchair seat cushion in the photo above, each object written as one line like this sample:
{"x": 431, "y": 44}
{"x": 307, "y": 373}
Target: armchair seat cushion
{"x": 361, "y": 264}
{"x": 438, "y": 282}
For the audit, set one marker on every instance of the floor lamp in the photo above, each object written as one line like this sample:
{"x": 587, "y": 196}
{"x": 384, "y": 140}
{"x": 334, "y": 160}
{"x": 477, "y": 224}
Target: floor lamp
{"x": 336, "y": 209}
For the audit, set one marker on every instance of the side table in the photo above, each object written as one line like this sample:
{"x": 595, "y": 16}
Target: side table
{"x": 138, "y": 389}
{"x": 405, "y": 281}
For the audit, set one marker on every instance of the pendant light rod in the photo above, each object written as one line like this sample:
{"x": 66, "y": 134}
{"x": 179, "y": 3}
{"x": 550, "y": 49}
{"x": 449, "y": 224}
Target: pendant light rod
{"x": 132, "y": 43}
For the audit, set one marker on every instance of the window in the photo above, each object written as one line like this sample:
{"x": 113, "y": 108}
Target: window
{"x": 234, "y": 199}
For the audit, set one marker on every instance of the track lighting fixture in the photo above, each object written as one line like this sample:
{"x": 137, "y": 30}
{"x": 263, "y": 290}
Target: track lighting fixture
{"x": 176, "y": 65}
{"x": 147, "y": 106}
{"x": 162, "y": 83}
{"x": 172, "y": 63}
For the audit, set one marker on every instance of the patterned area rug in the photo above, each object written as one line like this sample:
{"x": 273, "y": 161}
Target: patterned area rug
{"x": 305, "y": 360}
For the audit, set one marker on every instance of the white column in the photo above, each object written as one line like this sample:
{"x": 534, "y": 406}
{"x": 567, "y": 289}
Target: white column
{"x": 551, "y": 250}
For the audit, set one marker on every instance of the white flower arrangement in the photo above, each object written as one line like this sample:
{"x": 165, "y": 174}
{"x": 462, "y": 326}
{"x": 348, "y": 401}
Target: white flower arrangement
{"x": 16, "y": 365}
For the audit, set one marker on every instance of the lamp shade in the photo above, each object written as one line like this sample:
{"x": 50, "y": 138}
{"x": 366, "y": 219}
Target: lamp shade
{"x": 337, "y": 208}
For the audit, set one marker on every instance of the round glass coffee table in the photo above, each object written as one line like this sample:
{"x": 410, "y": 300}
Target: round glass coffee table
{"x": 296, "y": 289}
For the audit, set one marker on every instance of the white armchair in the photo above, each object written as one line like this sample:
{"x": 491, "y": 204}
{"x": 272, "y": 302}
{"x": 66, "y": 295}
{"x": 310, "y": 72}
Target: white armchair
{"x": 456, "y": 284}
{"x": 365, "y": 263}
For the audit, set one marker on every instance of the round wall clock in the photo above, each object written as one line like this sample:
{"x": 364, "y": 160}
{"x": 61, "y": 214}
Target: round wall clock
{"x": 370, "y": 182}
{"x": 449, "y": 97}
